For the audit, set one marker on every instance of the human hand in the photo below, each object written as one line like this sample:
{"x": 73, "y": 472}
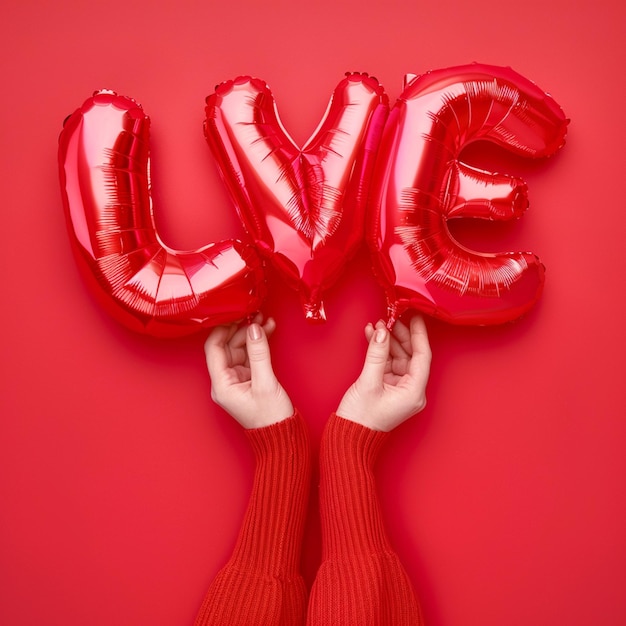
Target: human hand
{"x": 392, "y": 384}
{"x": 242, "y": 379}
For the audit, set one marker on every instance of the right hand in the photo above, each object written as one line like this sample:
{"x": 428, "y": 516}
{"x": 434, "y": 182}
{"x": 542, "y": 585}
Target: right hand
{"x": 242, "y": 379}
{"x": 392, "y": 384}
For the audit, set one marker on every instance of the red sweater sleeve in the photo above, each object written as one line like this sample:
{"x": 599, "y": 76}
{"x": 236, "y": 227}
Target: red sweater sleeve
{"x": 261, "y": 583}
{"x": 361, "y": 580}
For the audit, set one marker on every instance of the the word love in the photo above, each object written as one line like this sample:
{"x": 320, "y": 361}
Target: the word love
{"x": 392, "y": 178}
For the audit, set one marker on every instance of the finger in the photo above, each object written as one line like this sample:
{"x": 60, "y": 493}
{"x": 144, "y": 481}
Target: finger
{"x": 259, "y": 356}
{"x": 239, "y": 330}
{"x": 376, "y": 357}
{"x": 403, "y": 335}
{"x": 238, "y": 338}
{"x": 269, "y": 326}
{"x": 398, "y": 349}
{"x": 215, "y": 351}
{"x": 238, "y": 343}
{"x": 370, "y": 329}
{"x": 419, "y": 336}
{"x": 422, "y": 355}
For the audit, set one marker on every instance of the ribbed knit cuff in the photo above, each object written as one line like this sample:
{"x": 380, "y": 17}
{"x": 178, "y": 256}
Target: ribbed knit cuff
{"x": 351, "y": 520}
{"x": 279, "y": 438}
{"x": 271, "y": 535}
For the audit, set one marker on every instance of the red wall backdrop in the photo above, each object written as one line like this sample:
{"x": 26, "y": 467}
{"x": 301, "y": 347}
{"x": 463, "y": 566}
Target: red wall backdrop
{"x": 122, "y": 486}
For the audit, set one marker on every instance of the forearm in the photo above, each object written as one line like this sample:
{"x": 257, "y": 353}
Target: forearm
{"x": 271, "y": 535}
{"x": 261, "y": 583}
{"x": 349, "y": 508}
{"x": 361, "y": 579}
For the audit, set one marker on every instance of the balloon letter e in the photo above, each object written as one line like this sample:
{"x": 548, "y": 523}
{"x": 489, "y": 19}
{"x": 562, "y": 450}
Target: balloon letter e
{"x": 419, "y": 184}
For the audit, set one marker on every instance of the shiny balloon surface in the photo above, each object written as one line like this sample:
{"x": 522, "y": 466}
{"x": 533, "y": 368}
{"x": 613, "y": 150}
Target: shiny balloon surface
{"x": 393, "y": 178}
{"x": 105, "y": 180}
{"x": 420, "y": 183}
{"x": 303, "y": 207}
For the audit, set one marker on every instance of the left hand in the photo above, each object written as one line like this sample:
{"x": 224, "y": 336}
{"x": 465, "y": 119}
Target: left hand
{"x": 242, "y": 379}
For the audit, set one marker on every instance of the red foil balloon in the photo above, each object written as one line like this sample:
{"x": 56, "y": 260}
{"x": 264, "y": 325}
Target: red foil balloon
{"x": 420, "y": 184}
{"x": 303, "y": 207}
{"x": 105, "y": 181}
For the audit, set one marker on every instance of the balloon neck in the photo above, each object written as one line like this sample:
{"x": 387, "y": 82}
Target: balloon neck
{"x": 314, "y": 312}
{"x": 392, "y": 315}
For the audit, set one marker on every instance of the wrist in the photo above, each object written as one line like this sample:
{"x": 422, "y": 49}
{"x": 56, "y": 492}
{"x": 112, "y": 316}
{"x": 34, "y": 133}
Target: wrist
{"x": 276, "y": 432}
{"x": 363, "y": 413}
{"x": 274, "y": 414}
{"x": 361, "y": 419}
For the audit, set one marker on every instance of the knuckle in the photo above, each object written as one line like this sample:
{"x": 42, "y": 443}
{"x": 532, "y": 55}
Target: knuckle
{"x": 376, "y": 357}
{"x": 257, "y": 355}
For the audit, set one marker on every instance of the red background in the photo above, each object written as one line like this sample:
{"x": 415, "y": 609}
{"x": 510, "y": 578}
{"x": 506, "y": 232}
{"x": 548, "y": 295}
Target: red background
{"x": 122, "y": 485}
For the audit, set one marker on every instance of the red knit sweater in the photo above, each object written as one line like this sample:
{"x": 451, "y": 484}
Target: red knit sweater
{"x": 360, "y": 582}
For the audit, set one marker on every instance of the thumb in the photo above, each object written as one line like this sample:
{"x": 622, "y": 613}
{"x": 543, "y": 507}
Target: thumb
{"x": 259, "y": 356}
{"x": 376, "y": 357}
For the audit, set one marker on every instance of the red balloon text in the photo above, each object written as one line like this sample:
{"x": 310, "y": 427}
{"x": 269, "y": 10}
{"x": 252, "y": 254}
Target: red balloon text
{"x": 391, "y": 178}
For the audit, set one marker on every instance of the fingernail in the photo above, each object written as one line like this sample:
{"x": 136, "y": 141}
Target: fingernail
{"x": 380, "y": 335}
{"x": 254, "y": 332}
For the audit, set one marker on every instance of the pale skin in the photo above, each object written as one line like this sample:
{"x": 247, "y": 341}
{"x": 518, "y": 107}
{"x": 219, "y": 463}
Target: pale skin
{"x": 389, "y": 390}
